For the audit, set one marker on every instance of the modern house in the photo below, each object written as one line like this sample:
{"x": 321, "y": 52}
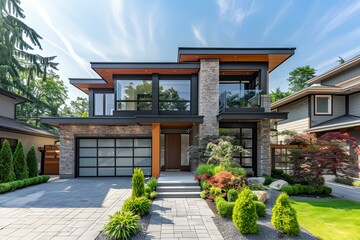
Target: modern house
{"x": 147, "y": 114}
{"x": 331, "y": 103}
{"x": 14, "y": 130}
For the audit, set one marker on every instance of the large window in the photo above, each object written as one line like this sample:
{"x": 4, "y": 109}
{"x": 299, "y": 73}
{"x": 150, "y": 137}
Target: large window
{"x": 104, "y": 104}
{"x": 323, "y": 105}
{"x": 174, "y": 95}
{"x": 133, "y": 95}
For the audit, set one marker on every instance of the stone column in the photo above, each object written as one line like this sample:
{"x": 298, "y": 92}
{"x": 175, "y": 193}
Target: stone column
{"x": 67, "y": 152}
{"x": 263, "y": 147}
{"x": 209, "y": 96}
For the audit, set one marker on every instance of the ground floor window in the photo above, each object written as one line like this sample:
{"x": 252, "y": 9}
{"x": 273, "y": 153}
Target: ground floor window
{"x": 113, "y": 156}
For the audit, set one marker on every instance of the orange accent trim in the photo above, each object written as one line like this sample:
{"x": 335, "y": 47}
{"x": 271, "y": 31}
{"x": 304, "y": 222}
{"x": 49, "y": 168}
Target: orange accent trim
{"x": 156, "y": 149}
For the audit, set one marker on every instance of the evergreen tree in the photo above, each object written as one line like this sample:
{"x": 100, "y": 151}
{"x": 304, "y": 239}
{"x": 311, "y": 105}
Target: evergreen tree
{"x": 6, "y": 163}
{"x": 32, "y": 163}
{"x": 20, "y": 166}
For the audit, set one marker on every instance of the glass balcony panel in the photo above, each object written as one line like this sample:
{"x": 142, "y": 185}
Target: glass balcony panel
{"x": 235, "y": 98}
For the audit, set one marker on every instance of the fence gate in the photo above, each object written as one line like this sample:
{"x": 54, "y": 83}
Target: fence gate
{"x": 50, "y": 156}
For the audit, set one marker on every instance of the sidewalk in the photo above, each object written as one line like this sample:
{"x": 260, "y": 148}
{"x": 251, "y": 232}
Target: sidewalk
{"x": 344, "y": 191}
{"x": 181, "y": 218}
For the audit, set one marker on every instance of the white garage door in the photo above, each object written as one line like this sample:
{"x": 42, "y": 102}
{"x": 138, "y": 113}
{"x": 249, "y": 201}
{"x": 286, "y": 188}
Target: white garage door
{"x": 99, "y": 157}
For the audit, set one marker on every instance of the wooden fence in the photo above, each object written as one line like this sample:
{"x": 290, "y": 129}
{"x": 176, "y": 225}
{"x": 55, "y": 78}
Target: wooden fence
{"x": 50, "y": 157}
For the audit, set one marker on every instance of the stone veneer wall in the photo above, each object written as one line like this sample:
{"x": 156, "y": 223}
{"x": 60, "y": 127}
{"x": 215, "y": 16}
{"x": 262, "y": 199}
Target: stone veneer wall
{"x": 263, "y": 135}
{"x": 209, "y": 96}
{"x": 68, "y": 133}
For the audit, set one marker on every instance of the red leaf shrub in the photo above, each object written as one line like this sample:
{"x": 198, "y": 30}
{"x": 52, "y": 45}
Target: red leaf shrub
{"x": 202, "y": 177}
{"x": 225, "y": 180}
{"x": 304, "y": 138}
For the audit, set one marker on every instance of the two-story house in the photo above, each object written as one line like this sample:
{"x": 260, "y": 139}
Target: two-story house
{"x": 145, "y": 115}
{"x": 331, "y": 103}
{"x": 14, "y": 130}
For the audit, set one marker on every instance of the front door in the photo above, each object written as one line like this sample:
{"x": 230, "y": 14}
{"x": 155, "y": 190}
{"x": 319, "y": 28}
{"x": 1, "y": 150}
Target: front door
{"x": 173, "y": 151}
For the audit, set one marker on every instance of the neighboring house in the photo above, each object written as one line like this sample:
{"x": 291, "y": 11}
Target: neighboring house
{"x": 147, "y": 114}
{"x": 14, "y": 130}
{"x": 332, "y": 103}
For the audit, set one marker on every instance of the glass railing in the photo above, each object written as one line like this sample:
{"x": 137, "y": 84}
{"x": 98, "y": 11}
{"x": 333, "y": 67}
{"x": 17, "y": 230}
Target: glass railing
{"x": 240, "y": 99}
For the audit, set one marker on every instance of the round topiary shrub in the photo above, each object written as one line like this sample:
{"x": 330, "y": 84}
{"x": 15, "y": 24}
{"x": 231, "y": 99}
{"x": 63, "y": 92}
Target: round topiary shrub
{"x": 284, "y": 216}
{"x": 139, "y": 206}
{"x": 244, "y": 213}
{"x": 153, "y": 195}
{"x": 137, "y": 183}
{"x": 225, "y": 209}
{"x": 6, "y": 163}
{"x": 288, "y": 189}
{"x": 122, "y": 225}
{"x": 260, "y": 208}
{"x": 232, "y": 195}
{"x": 32, "y": 163}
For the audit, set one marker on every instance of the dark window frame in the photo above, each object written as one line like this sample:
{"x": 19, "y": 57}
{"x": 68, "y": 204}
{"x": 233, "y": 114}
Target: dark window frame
{"x": 104, "y": 104}
{"x": 164, "y": 78}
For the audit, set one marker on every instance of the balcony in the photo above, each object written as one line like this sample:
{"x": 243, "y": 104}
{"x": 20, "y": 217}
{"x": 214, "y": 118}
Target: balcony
{"x": 240, "y": 101}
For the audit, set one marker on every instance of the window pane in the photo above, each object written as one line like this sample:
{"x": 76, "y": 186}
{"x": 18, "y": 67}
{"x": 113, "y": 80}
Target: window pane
{"x": 247, "y": 143}
{"x": 106, "y": 142}
{"x": 322, "y": 104}
{"x": 87, "y": 152}
{"x": 178, "y": 90}
{"x": 99, "y": 104}
{"x": 147, "y": 171}
{"x": 134, "y": 106}
{"x": 142, "y": 161}
{"x": 124, "y": 152}
{"x": 106, "y": 162}
{"x": 87, "y": 142}
{"x": 247, "y": 162}
{"x": 106, "y": 171}
{"x": 174, "y": 106}
{"x": 87, "y": 162}
{"x": 246, "y": 132}
{"x": 87, "y": 172}
{"x": 124, "y": 161}
{"x": 133, "y": 90}
{"x": 124, "y": 171}
{"x": 106, "y": 152}
{"x": 124, "y": 142}
{"x": 142, "y": 142}
{"x": 109, "y": 104}
{"x": 142, "y": 152}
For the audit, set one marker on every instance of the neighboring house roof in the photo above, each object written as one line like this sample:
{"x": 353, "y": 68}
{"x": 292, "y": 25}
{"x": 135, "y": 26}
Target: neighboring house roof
{"x": 13, "y": 125}
{"x": 338, "y": 69}
{"x": 344, "y": 121}
{"x": 16, "y": 97}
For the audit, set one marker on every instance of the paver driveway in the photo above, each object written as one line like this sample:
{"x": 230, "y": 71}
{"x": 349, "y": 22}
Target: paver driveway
{"x": 62, "y": 209}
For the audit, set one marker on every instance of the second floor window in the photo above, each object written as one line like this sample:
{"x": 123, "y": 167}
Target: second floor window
{"x": 104, "y": 104}
{"x": 323, "y": 105}
{"x": 174, "y": 95}
{"x": 133, "y": 95}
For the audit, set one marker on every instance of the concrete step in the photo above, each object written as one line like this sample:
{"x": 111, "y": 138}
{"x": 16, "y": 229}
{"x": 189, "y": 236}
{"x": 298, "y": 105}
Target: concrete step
{"x": 179, "y": 194}
{"x": 178, "y": 189}
{"x": 177, "y": 183}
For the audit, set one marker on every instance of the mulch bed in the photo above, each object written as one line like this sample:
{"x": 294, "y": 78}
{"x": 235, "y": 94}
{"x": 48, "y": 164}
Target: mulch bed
{"x": 267, "y": 231}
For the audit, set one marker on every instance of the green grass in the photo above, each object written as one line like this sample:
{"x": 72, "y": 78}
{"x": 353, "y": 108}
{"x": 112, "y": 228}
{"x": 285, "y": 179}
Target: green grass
{"x": 330, "y": 218}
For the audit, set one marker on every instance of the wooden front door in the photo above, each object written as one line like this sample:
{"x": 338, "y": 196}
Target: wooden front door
{"x": 172, "y": 151}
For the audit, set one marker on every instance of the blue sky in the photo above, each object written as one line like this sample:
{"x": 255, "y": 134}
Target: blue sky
{"x": 82, "y": 31}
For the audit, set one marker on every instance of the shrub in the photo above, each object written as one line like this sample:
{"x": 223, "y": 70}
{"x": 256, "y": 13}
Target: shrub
{"x": 32, "y": 163}
{"x": 327, "y": 190}
{"x": 20, "y": 166}
{"x": 268, "y": 179}
{"x": 45, "y": 178}
{"x": 122, "y": 225}
{"x": 137, "y": 183}
{"x": 218, "y": 169}
{"x": 5, "y": 187}
{"x": 254, "y": 197}
{"x": 215, "y": 191}
{"x": 12, "y": 186}
{"x": 346, "y": 181}
{"x": 205, "y": 185}
{"x": 239, "y": 171}
{"x": 288, "y": 189}
{"x": 153, "y": 195}
{"x": 284, "y": 216}
{"x": 147, "y": 191}
{"x": 152, "y": 183}
{"x": 356, "y": 183}
{"x": 232, "y": 195}
{"x": 225, "y": 209}
{"x": 139, "y": 206}
{"x": 222, "y": 179}
{"x": 205, "y": 169}
{"x": 244, "y": 213}
{"x": 6, "y": 163}
{"x": 257, "y": 186}
{"x": 260, "y": 208}
{"x": 203, "y": 194}
{"x": 217, "y": 200}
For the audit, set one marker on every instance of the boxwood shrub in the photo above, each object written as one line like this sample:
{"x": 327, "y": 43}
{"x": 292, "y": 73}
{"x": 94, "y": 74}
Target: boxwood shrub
{"x": 225, "y": 208}
{"x": 12, "y": 186}
{"x": 304, "y": 189}
{"x": 232, "y": 195}
{"x": 260, "y": 208}
{"x": 139, "y": 206}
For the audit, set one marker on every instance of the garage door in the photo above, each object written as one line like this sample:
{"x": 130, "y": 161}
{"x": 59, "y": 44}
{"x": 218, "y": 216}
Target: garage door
{"x": 113, "y": 156}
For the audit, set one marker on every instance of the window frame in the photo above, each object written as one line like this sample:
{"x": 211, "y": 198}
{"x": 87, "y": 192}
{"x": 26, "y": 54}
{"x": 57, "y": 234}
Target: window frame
{"x": 175, "y": 101}
{"x": 104, "y": 104}
{"x": 132, "y": 101}
{"x": 330, "y": 105}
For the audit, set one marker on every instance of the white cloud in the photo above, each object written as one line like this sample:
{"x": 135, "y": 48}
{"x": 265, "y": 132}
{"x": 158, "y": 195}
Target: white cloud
{"x": 345, "y": 55}
{"x": 235, "y": 11}
{"x": 198, "y": 35}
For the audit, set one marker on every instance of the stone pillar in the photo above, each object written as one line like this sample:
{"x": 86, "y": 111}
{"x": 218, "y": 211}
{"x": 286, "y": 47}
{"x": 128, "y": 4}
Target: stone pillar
{"x": 265, "y": 102}
{"x": 263, "y": 148}
{"x": 67, "y": 152}
{"x": 209, "y": 96}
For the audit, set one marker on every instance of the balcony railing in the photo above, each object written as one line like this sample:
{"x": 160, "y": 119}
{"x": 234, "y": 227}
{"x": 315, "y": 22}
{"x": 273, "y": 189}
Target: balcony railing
{"x": 240, "y": 99}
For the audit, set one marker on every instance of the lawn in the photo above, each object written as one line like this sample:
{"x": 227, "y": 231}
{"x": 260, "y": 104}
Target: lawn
{"x": 330, "y": 218}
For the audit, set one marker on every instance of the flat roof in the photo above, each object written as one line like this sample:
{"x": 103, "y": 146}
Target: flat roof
{"x": 16, "y": 97}
{"x": 84, "y": 84}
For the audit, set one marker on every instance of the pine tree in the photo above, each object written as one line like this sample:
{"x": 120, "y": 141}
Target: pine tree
{"x": 6, "y": 163}
{"x": 20, "y": 166}
{"x": 32, "y": 163}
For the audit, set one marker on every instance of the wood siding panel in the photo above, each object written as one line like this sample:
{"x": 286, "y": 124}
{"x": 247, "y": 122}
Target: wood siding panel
{"x": 343, "y": 76}
{"x": 338, "y": 110}
{"x": 156, "y": 149}
{"x": 354, "y": 104}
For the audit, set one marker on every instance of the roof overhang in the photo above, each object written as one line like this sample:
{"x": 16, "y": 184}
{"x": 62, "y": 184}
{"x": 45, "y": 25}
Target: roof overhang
{"x": 331, "y": 127}
{"x": 84, "y": 84}
{"x": 251, "y": 116}
{"x": 17, "y": 98}
{"x": 107, "y": 70}
{"x": 274, "y": 56}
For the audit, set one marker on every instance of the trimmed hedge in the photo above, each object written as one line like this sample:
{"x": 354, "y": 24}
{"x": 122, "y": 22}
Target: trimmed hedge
{"x": 232, "y": 195}
{"x": 260, "y": 208}
{"x": 268, "y": 179}
{"x": 12, "y": 186}
{"x": 139, "y": 206}
{"x": 225, "y": 208}
{"x": 304, "y": 189}
{"x": 347, "y": 181}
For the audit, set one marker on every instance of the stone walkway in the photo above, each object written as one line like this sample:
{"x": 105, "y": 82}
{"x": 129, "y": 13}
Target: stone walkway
{"x": 179, "y": 218}
{"x": 62, "y": 209}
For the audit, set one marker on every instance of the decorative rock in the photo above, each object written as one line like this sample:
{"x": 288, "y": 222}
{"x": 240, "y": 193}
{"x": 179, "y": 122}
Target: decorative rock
{"x": 278, "y": 184}
{"x": 261, "y": 195}
{"x": 256, "y": 180}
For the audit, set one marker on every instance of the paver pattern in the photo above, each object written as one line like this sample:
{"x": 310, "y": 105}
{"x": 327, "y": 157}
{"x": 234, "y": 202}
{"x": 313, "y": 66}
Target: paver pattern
{"x": 181, "y": 218}
{"x": 62, "y": 209}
